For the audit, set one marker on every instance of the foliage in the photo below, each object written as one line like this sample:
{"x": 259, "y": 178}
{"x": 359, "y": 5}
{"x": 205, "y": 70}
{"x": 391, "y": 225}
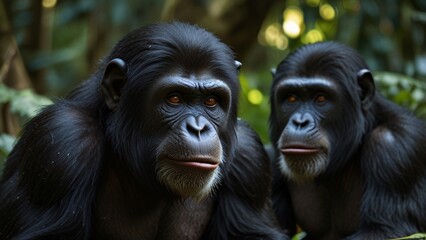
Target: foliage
{"x": 25, "y": 103}
{"x": 403, "y": 90}
{"x": 416, "y": 236}
{"x": 254, "y": 101}
{"x": 6, "y": 145}
{"x": 299, "y": 236}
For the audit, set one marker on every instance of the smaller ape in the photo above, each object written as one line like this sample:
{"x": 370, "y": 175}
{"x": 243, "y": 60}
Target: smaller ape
{"x": 148, "y": 148}
{"x": 349, "y": 164}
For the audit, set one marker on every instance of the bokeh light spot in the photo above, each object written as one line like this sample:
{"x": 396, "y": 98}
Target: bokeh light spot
{"x": 327, "y": 12}
{"x": 48, "y": 3}
{"x": 255, "y": 96}
{"x": 281, "y": 42}
{"x": 293, "y": 21}
{"x": 291, "y": 28}
{"x": 313, "y": 36}
{"x": 273, "y": 36}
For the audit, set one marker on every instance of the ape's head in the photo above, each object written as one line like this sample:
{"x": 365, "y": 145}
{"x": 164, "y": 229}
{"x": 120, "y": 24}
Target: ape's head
{"x": 172, "y": 91}
{"x": 320, "y": 102}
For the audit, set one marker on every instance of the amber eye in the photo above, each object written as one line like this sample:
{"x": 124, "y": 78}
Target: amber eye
{"x": 174, "y": 99}
{"x": 210, "y": 102}
{"x": 291, "y": 99}
{"x": 320, "y": 99}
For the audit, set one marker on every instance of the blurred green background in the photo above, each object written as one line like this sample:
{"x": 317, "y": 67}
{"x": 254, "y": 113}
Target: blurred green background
{"x": 47, "y": 47}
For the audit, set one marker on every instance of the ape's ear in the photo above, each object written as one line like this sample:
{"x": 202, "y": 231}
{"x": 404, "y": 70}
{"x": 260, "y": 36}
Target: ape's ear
{"x": 273, "y": 72}
{"x": 366, "y": 82}
{"x": 114, "y": 78}
{"x": 238, "y": 65}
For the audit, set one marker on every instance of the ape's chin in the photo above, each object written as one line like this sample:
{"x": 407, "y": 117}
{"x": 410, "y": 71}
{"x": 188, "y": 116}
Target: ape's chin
{"x": 303, "y": 168}
{"x": 188, "y": 182}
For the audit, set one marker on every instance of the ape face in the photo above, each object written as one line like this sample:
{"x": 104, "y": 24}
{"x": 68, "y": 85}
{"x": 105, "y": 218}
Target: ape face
{"x": 304, "y": 107}
{"x": 192, "y": 108}
{"x": 179, "y": 104}
{"x": 317, "y": 104}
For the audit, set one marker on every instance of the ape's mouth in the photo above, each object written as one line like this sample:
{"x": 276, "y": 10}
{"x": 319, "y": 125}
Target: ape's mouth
{"x": 299, "y": 150}
{"x": 199, "y": 162}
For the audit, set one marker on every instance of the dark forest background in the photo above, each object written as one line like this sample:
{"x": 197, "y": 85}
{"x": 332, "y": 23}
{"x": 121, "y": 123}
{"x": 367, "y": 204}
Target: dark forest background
{"x": 47, "y": 47}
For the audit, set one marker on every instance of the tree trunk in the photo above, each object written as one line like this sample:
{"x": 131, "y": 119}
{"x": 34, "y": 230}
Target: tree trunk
{"x": 12, "y": 72}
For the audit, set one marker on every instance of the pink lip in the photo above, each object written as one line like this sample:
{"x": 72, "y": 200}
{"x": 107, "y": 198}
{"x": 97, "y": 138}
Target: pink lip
{"x": 200, "y": 163}
{"x": 298, "y": 150}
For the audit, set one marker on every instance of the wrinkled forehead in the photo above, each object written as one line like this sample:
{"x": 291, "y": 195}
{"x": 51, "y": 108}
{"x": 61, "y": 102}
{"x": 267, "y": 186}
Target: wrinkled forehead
{"x": 194, "y": 82}
{"x": 315, "y": 83}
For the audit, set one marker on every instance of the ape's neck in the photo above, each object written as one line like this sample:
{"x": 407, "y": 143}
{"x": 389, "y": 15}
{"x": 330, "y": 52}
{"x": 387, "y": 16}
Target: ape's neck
{"x": 125, "y": 210}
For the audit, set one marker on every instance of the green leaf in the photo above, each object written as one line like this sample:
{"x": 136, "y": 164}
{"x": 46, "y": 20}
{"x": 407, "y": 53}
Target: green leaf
{"x": 23, "y": 102}
{"x": 6, "y": 143}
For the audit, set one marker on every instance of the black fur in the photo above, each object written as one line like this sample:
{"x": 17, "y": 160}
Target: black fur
{"x": 78, "y": 150}
{"x": 374, "y": 186}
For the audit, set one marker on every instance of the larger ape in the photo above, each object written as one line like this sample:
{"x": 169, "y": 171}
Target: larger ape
{"x": 147, "y": 148}
{"x": 349, "y": 163}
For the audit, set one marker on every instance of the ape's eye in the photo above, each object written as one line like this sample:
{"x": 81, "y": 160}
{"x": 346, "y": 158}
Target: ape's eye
{"x": 174, "y": 99}
{"x": 320, "y": 99}
{"x": 210, "y": 102}
{"x": 291, "y": 99}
